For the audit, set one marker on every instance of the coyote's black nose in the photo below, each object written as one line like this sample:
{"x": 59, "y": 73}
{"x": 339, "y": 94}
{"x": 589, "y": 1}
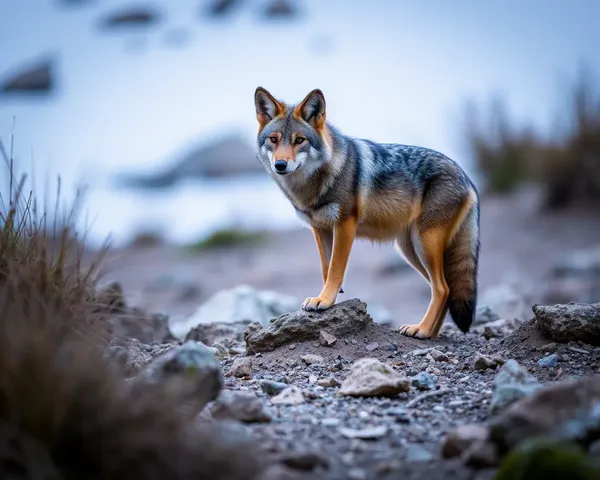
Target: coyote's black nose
{"x": 280, "y": 165}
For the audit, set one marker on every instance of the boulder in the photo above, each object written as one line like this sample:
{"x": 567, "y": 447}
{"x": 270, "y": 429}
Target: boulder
{"x": 37, "y": 78}
{"x": 222, "y": 158}
{"x": 244, "y": 407}
{"x": 568, "y": 411}
{"x": 512, "y": 382}
{"x": 138, "y": 16}
{"x": 570, "y": 322}
{"x": 341, "y": 319}
{"x": 235, "y": 307}
{"x": 195, "y": 365}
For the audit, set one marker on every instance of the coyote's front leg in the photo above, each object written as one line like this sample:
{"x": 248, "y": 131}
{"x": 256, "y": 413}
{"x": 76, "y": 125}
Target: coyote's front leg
{"x": 324, "y": 240}
{"x": 344, "y": 233}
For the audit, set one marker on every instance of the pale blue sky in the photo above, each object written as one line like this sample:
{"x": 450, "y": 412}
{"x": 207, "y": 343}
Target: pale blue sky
{"x": 396, "y": 71}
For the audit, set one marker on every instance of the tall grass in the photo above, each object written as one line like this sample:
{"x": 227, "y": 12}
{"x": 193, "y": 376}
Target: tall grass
{"x": 565, "y": 163}
{"x": 66, "y": 412}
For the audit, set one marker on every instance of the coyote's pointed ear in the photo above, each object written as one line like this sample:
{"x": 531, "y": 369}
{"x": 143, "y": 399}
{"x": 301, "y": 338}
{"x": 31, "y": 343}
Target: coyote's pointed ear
{"x": 267, "y": 108}
{"x": 312, "y": 109}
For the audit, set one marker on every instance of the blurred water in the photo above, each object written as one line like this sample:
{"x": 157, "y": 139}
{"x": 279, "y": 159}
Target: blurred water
{"x": 391, "y": 71}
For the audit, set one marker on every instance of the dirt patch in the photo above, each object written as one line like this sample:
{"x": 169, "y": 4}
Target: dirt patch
{"x": 528, "y": 345}
{"x": 376, "y": 341}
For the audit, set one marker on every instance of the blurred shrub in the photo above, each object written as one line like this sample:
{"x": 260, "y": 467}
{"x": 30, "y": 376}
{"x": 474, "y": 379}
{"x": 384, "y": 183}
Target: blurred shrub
{"x": 547, "y": 459}
{"x": 147, "y": 238}
{"x": 566, "y": 164}
{"x": 228, "y": 237}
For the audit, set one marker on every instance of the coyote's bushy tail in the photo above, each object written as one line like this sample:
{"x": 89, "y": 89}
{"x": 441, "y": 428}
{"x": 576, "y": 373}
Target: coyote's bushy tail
{"x": 461, "y": 261}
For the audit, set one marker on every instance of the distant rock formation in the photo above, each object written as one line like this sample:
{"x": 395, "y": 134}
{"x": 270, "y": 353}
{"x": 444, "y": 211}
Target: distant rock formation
{"x": 39, "y": 77}
{"x": 131, "y": 17}
{"x": 226, "y": 157}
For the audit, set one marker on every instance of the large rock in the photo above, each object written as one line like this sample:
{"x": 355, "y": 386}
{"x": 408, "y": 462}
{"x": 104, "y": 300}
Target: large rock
{"x": 236, "y": 307}
{"x": 341, "y": 319}
{"x": 132, "y": 355}
{"x": 462, "y": 438}
{"x": 38, "y": 78}
{"x": 128, "y": 322}
{"x": 369, "y": 377}
{"x": 567, "y": 411}
{"x": 220, "y": 8}
{"x": 224, "y": 157}
{"x": 138, "y": 16}
{"x": 211, "y": 333}
{"x": 570, "y": 322}
{"x": 245, "y": 407}
{"x": 512, "y": 383}
{"x": 579, "y": 263}
{"x": 280, "y": 9}
{"x": 196, "y": 365}
{"x": 575, "y": 278}
{"x": 505, "y": 301}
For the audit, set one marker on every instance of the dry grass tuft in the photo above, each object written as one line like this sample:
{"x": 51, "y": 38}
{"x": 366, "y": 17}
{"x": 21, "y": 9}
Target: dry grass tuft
{"x": 65, "y": 411}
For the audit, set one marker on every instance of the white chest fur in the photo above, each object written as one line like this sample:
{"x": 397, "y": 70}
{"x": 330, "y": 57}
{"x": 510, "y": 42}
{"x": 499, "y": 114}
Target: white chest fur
{"x": 325, "y": 216}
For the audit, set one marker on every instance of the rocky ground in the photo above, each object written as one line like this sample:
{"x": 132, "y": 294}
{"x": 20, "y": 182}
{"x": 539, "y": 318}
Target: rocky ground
{"x": 335, "y": 395}
{"x": 341, "y": 394}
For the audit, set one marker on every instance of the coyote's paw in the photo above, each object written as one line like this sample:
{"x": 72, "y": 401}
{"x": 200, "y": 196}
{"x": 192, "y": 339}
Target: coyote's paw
{"x": 317, "y": 303}
{"x": 416, "y": 331}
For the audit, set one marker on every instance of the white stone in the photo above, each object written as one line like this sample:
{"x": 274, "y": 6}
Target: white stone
{"x": 240, "y": 303}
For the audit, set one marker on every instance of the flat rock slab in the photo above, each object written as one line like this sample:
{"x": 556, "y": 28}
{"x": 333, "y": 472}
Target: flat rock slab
{"x": 341, "y": 319}
{"x": 570, "y": 322}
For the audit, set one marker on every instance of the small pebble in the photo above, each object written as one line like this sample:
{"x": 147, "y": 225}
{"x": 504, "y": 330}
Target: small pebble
{"x": 357, "y": 474}
{"x": 271, "y": 387}
{"x": 548, "y": 361}
{"x": 364, "y": 433}
{"x": 423, "y": 381}
{"x": 438, "y": 356}
{"x": 328, "y": 382}
{"x": 416, "y": 453}
{"x": 421, "y": 352}
{"x": 330, "y": 422}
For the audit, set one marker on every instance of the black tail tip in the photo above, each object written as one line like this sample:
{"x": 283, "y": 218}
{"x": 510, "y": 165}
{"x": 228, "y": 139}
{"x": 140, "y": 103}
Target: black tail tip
{"x": 463, "y": 313}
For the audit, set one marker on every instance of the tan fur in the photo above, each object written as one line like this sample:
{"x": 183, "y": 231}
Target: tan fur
{"x": 462, "y": 214}
{"x": 343, "y": 238}
{"x": 462, "y": 242}
{"x": 322, "y": 240}
{"x": 284, "y": 152}
{"x": 383, "y": 215}
{"x": 434, "y": 242}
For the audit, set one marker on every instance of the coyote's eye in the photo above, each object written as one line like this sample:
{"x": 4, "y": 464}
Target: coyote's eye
{"x": 299, "y": 140}
{"x": 273, "y": 139}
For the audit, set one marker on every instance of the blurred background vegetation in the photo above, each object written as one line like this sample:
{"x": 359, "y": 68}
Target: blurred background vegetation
{"x": 563, "y": 162}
